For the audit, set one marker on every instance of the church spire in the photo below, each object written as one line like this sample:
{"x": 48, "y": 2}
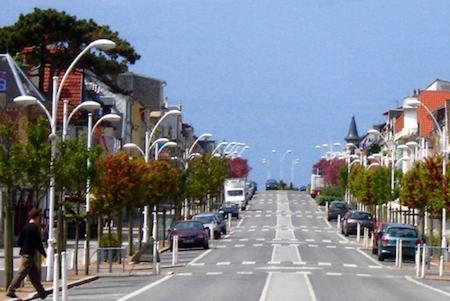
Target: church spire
{"x": 352, "y": 136}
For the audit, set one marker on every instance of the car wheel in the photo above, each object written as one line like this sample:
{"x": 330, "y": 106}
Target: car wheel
{"x": 346, "y": 231}
{"x": 380, "y": 255}
{"x": 374, "y": 251}
{"x": 206, "y": 246}
{"x": 217, "y": 235}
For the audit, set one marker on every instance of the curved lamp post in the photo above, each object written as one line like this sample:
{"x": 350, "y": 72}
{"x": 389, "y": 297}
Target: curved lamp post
{"x": 101, "y": 44}
{"x": 281, "y": 162}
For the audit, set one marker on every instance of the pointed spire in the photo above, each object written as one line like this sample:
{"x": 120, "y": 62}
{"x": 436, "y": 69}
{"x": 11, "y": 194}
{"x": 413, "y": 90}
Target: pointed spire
{"x": 352, "y": 136}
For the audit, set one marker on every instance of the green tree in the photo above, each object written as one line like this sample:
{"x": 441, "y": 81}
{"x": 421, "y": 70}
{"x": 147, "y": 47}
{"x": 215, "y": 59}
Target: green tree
{"x": 12, "y": 175}
{"x": 53, "y": 39}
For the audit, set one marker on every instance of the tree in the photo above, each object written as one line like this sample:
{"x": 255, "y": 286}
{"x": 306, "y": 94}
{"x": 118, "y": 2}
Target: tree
{"x": 37, "y": 155}
{"x": 72, "y": 173}
{"x": 329, "y": 169}
{"x": 12, "y": 175}
{"x": 53, "y": 39}
{"x": 239, "y": 168}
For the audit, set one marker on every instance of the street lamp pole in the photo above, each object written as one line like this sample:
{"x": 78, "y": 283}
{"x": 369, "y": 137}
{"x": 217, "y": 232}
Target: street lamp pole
{"x": 281, "y": 163}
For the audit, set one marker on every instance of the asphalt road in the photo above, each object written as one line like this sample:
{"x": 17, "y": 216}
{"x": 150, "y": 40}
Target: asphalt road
{"x": 281, "y": 248}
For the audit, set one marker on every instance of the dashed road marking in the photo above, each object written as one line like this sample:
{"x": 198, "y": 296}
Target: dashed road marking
{"x": 349, "y": 265}
{"x": 248, "y": 262}
{"x": 214, "y": 273}
{"x": 331, "y": 247}
{"x": 223, "y": 263}
{"x": 334, "y": 274}
{"x": 239, "y": 246}
{"x": 324, "y": 264}
{"x": 363, "y": 275}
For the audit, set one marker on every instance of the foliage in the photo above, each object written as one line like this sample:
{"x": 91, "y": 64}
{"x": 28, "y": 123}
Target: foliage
{"x": 109, "y": 240}
{"x": 163, "y": 182}
{"x": 380, "y": 185}
{"x": 238, "y": 168}
{"x": 121, "y": 182}
{"x": 413, "y": 193}
{"x": 329, "y": 194}
{"x": 329, "y": 169}
{"x": 343, "y": 176}
{"x": 37, "y": 155}
{"x": 55, "y": 38}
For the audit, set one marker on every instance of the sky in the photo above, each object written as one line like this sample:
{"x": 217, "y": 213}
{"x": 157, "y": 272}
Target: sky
{"x": 277, "y": 75}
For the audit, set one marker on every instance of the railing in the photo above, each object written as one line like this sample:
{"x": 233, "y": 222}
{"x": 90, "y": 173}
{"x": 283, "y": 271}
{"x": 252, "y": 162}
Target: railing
{"x": 111, "y": 252}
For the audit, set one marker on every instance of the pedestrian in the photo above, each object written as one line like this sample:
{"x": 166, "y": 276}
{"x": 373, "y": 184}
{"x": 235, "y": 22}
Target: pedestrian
{"x": 29, "y": 242}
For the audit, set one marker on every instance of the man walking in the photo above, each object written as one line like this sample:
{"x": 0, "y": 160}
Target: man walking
{"x": 29, "y": 242}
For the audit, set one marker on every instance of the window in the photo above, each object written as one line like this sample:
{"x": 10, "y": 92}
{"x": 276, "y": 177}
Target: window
{"x": 402, "y": 232}
{"x": 189, "y": 226}
{"x": 235, "y": 192}
{"x": 362, "y": 216}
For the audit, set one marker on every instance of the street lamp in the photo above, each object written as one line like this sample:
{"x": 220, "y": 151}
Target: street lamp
{"x": 217, "y": 149}
{"x": 90, "y": 106}
{"x": 281, "y": 162}
{"x": 101, "y": 44}
{"x": 294, "y": 163}
{"x": 167, "y": 144}
{"x": 201, "y": 137}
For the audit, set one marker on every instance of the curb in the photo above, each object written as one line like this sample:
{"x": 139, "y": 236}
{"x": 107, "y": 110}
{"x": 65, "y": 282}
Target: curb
{"x": 69, "y": 286}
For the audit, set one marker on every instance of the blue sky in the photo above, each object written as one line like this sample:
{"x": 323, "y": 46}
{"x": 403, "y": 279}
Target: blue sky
{"x": 285, "y": 74}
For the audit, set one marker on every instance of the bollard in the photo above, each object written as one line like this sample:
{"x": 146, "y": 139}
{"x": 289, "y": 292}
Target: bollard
{"x": 417, "y": 261}
{"x": 56, "y": 278}
{"x": 63, "y": 276}
{"x": 211, "y": 232}
{"x": 441, "y": 265}
{"x": 326, "y": 209}
{"x": 424, "y": 259}
{"x": 175, "y": 250}
{"x": 371, "y": 242}
{"x": 229, "y": 222}
{"x": 155, "y": 257}
{"x": 157, "y": 263}
{"x": 400, "y": 256}
{"x": 338, "y": 224}
{"x": 358, "y": 233}
{"x": 366, "y": 238}
{"x": 397, "y": 244}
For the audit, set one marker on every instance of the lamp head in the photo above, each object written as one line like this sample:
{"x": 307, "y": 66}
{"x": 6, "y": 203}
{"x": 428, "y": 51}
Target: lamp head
{"x": 25, "y": 100}
{"x": 112, "y": 117}
{"x": 129, "y": 145}
{"x": 90, "y": 105}
{"x": 174, "y": 112}
{"x": 373, "y": 132}
{"x": 103, "y": 44}
{"x": 412, "y": 144}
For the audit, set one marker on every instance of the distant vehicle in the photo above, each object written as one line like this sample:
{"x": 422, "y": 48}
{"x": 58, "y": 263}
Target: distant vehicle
{"x": 229, "y": 207}
{"x": 303, "y": 188}
{"x": 250, "y": 188}
{"x": 209, "y": 221}
{"x": 190, "y": 234}
{"x": 352, "y": 218}
{"x": 377, "y": 234}
{"x": 235, "y": 192}
{"x": 337, "y": 208}
{"x": 271, "y": 184}
{"x": 317, "y": 185}
{"x": 387, "y": 243}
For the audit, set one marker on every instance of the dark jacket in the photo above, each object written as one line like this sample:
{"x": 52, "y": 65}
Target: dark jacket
{"x": 30, "y": 240}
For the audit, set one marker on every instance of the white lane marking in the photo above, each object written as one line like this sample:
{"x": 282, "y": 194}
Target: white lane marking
{"x": 334, "y": 274}
{"x": 298, "y": 263}
{"x": 251, "y": 230}
{"x": 199, "y": 257}
{"x": 330, "y": 231}
{"x": 324, "y": 264}
{"x": 427, "y": 286}
{"x": 331, "y": 247}
{"x": 309, "y": 216}
{"x": 260, "y": 239}
{"x": 263, "y": 296}
{"x": 343, "y": 242}
{"x": 349, "y": 265}
{"x": 318, "y": 230}
{"x": 363, "y": 275}
{"x": 145, "y": 288}
{"x": 310, "y": 288}
{"x": 245, "y": 273}
{"x": 370, "y": 258}
{"x": 305, "y": 230}
{"x": 227, "y": 240}
{"x": 375, "y": 267}
{"x": 223, "y": 263}
{"x": 268, "y": 215}
{"x": 273, "y": 262}
{"x": 214, "y": 273}
{"x": 197, "y": 264}
{"x": 243, "y": 239}
{"x": 239, "y": 246}
{"x": 313, "y": 246}
{"x": 253, "y": 226}
{"x": 240, "y": 222}
{"x": 183, "y": 274}
{"x": 221, "y": 246}
{"x": 310, "y": 239}
{"x": 328, "y": 223}
{"x": 349, "y": 248}
{"x": 258, "y": 215}
{"x": 326, "y": 240}
{"x": 257, "y": 245}
{"x": 265, "y": 229}
{"x": 248, "y": 262}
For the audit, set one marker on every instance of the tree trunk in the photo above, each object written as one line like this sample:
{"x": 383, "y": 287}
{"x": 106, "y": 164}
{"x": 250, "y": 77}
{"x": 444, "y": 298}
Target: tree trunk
{"x": 130, "y": 232}
{"x": 99, "y": 228}
{"x": 8, "y": 240}
{"x": 119, "y": 227}
{"x": 140, "y": 229}
{"x": 77, "y": 239}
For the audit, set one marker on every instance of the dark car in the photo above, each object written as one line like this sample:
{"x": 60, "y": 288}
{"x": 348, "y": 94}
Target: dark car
{"x": 271, "y": 184}
{"x": 406, "y": 233}
{"x": 227, "y": 208}
{"x": 190, "y": 234}
{"x": 336, "y": 208}
{"x": 222, "y": 222}
{"x": 351, "y": 219}
{"x": 377, "y": 234}
{"x": 303, "y": 188}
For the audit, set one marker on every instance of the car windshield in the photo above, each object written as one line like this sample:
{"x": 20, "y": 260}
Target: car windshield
{"x": 362, "y": 216}
{"x": 402, "y": 232}
{"x": 206, "y": 219}
{"x": 229, "y": 205}
{"x": 338, "y": 205}
{"x": 189, "y": 226}
{"x": 235, "y": 192}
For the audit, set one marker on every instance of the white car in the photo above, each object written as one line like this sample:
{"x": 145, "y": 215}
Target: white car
{"x": 209, "y": 221}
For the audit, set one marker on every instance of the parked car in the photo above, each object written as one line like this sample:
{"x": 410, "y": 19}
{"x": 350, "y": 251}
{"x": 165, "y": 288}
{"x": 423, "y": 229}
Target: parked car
{"x": 303, "y": 188}
{"x": 336, "y": 208}
{"x": 387, "y": 243}
{"x": 222, "y": 222}
{"x": 229, "y": 207}
{"x": 351, "y": 219}
{"x": 190, "y": 234}
{"x": 377, "y": 234}
{"x": 209, "y": 221}
{"x": 271, "y": 184}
